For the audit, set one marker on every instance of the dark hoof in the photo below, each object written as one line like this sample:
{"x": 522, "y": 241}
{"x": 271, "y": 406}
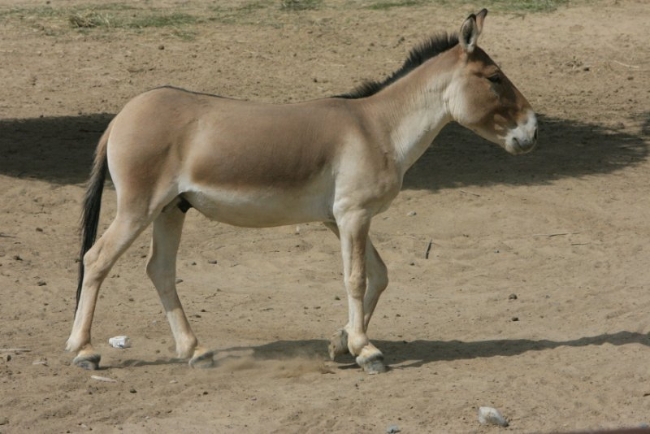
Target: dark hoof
{"x": 373, "y": 364}
{"x": 90, "y": 363}
{"x": 202, "y": 361}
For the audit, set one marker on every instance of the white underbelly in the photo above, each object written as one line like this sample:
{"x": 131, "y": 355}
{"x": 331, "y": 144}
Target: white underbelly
{"x": 251, "y": 207}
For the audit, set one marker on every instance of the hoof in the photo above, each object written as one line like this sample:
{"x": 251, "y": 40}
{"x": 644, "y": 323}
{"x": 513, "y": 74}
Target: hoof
{"x": 203, "y": 360}
{"x": 373, "y": 364}
{"x": 89, "y": 362}
{"x": 338, "y": 344}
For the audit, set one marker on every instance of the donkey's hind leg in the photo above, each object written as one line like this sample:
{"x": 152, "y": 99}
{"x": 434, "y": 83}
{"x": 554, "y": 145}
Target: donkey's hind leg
{"x": 98, "y": 261}
{"x": 161, "y": 269}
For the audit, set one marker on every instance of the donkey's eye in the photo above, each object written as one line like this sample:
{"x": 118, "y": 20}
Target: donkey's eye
{"x": 495, "y": 78}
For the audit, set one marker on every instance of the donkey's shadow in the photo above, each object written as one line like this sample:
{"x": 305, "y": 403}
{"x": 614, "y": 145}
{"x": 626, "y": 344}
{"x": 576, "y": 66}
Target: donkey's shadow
{"x": 411, "y": 354}
{"x": 421, "y": 352}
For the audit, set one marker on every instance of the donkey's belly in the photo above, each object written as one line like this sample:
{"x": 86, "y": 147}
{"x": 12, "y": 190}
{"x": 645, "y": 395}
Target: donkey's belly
{"x": 260, "y": 208}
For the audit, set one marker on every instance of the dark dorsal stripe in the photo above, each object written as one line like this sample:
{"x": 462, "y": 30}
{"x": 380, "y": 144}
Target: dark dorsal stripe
{"x": 420, "y": 54}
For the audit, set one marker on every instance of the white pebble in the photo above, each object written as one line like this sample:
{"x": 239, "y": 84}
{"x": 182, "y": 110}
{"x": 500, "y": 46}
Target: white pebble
{"x": 120, "y": 342}
{"x": 489, "y": 415}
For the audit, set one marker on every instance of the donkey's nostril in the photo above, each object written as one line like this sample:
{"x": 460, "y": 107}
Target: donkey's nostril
{"x": 535, "y": 135}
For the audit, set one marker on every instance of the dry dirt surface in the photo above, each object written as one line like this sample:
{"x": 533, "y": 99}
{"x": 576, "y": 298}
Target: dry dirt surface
{"x": 534, "y": 299}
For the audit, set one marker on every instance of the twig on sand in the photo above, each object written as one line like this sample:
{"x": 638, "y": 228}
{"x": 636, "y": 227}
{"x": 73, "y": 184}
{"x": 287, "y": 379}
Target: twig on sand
{"x": 469, "y": 192}
{"x": 15, "y": 350}
{"x": 555, "y": 234}
{"x": 104, "y": 379}
{"x": 626, "y": 65}
{"x": 426, "y": 253}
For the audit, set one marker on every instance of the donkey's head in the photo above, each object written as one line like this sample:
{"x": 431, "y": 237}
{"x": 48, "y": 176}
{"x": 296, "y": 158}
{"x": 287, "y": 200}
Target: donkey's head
{"x": 482, "y": 98}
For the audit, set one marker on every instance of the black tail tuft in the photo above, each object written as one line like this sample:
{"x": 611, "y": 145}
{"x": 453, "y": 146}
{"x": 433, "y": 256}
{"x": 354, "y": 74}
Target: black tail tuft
{"x": 91, "y": 209}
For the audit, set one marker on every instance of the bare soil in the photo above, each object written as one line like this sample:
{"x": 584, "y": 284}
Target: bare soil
{"x": 564, "y": 229}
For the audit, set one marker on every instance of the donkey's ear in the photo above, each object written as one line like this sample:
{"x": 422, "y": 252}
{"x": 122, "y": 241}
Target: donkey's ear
{"x": 470, "y": 31}
{"x": 480, "y": 18}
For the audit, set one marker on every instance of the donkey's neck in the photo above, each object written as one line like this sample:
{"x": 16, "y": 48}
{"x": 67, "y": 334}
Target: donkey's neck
{"x": 412, "y": 111}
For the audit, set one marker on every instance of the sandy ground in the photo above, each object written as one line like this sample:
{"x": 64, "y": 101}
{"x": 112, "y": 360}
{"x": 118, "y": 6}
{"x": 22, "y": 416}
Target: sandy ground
{"x": 565, "y": 229}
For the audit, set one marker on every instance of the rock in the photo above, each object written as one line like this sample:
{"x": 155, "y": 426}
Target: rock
{"x": 393, "y": 429}
{"x": 491, "y": 416}
{"x": 120, "y": 342}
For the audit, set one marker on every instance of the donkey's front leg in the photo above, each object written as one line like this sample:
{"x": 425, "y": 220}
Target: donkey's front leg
{"x": 353, "y": 231}
{"x": 377, "y": 283}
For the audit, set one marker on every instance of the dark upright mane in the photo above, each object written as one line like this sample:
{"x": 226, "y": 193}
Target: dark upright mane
{"x": 420, "y": 54}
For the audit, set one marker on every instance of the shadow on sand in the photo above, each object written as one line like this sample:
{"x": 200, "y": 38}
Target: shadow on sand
{"x": 408, "y": 354}
{"x": 60, "y": 149}
{"x": 420, "y": 352}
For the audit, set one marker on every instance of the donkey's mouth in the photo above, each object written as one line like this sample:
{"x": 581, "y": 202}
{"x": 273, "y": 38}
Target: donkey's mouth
{"x": 523, "y": 138}
{"x": 519, "y": 147}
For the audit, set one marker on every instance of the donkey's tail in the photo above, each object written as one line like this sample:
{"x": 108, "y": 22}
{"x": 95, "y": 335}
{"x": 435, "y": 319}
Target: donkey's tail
{"x": 92, "y": 204}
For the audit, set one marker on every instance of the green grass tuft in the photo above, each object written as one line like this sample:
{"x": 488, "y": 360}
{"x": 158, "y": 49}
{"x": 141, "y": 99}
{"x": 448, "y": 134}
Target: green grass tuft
{"x": 383, "y": 5}
{"x": 156, "y": 20}
{"x": 520, "y": 6}
{"x": 299, "y": 5}
{"x": 89, "y": 20}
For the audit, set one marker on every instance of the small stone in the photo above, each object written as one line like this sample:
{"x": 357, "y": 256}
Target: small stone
{"x": 336, "y": 297}
{"x": 212, "y": 261}
{"x": 512, "y": 297}
{"x": 132, "y": 390}
{"x": 489, "y": 415}
{"x": 393, "y": 429}
{"x": 179, "y": 280}
{"x": 42, "y": 283}
{"x": 161, "y": 47}
{"x": 515, "y": 318}
{"x": 412, "y": 213}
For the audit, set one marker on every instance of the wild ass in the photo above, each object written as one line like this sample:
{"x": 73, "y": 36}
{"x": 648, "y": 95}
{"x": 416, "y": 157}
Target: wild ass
{"x": 337, "y": 160}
